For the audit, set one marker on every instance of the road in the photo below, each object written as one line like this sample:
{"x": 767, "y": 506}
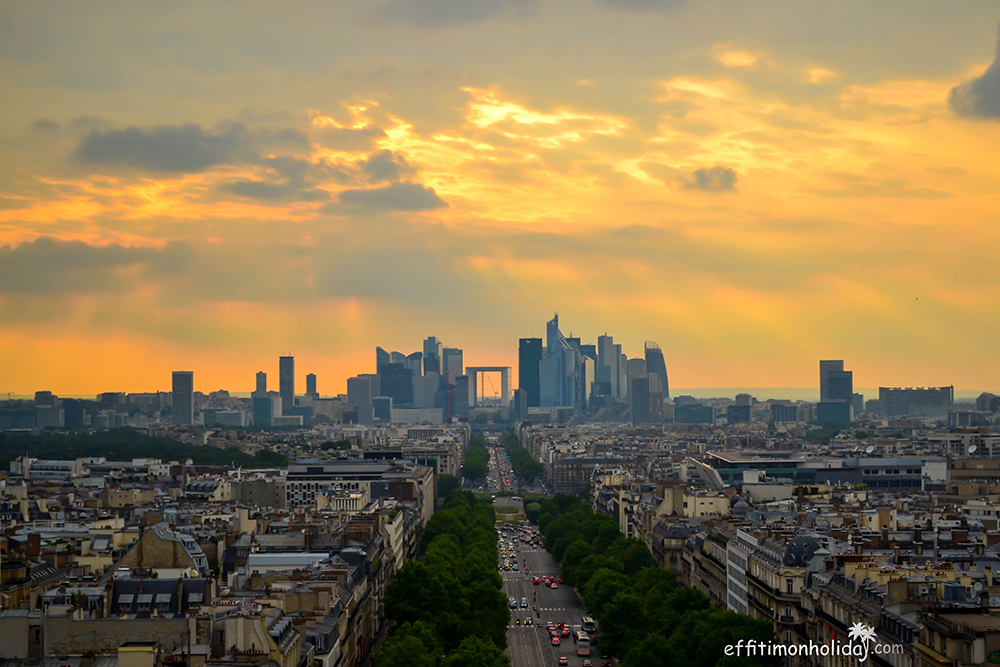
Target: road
{"x": 529, "y": 645}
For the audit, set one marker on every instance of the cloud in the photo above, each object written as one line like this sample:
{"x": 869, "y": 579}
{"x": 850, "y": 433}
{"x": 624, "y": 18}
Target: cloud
{"x": 715, "y": 179}
{"x": 433, "y": 13}
{"x": 167, "y": 148}
{"x": 384, "y": 166}
{"x": 45, "y": 125}
{"x": 265, "y": 191}
{"x": 979, "y": 97}
{"x": 401, "y": 196}
{"x": 47, "y": 265}
{"x": 656, "y": 5}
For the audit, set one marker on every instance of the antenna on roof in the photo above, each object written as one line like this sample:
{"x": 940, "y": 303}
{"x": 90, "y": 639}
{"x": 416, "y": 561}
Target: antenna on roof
{"x": 973, "y": 448}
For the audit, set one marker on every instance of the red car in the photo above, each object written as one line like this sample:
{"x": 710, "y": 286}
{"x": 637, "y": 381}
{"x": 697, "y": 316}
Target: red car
{"x": 536, "y": 580}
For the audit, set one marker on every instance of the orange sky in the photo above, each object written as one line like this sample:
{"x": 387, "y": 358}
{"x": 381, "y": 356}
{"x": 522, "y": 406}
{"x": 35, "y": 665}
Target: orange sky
{"x": 754, "y": 186}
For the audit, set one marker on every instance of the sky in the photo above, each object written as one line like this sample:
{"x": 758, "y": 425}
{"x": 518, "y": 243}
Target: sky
{"x": 754, "y": 185}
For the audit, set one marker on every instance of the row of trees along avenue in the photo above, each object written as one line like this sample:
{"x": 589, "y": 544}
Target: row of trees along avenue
{"x": 448, "y": 607}
{"x": 523, "y": 465}
{"x": 477, "y": 459}
{"x": 644, "y": 616}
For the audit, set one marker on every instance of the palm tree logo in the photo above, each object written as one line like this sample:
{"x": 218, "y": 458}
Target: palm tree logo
{"x": 864, "y": 634}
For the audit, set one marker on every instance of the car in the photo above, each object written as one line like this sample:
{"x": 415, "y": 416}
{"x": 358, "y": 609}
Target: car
{"x": 554, "y": 585}
{"x": 563, "y": 660}
{"x": 606, "y": 663}
{"x": 587, "y": 663}
{"x": 527, "y": 621}
{"x": 555, "y": 641}
{"x": 524, "y": 602}
{"x": 565, "y": 631}
{"x": 536, "y": 580}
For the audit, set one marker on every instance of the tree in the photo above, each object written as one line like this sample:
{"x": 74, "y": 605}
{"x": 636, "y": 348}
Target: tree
{"x": 413, "y": 645}
{"x": 446, "y": 484}
{"x": 476, "y": 652}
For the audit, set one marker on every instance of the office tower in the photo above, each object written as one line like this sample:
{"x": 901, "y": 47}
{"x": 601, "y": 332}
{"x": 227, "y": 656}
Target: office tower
{"x": 588, "y": 373}
{"x": 286, "y": 382}
{"x": 858, "y": 403}
{"x": 609, "y": 364}
{"x": 381, "y": 358}
{"x": 836, "y": 392}
{"x": 636, "y": 367}
{"x": 825, "y": 369}
{"x": 182, "y": 394}
{"x": 261, "y": 389}
{"x": 463, "y": 396}
{"x": 529, "y": 355}
{"x": 382, "y": 409}
{"x": 655, "y": 365}
{"x": 452, "y": 363}
{"x": 266, "y": 408}
{"x": 397, "y": 382}
{"x": 916, "y": 401}
{"x": 638, "y": 398}
{"x": 589, "y": 351}
{"x": 311, "y": 386}
{"x": 415, "y": 363}
{"x": 432, "y": 355}
{"x": 360, "y": 391}
{"x": 558, "y": 373}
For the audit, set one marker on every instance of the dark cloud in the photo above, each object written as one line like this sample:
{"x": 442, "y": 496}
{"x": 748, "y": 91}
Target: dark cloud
{"x": 267, "y": 192}
{"x": 715, "y": 179}
{"x": 384, "y": 166}
{"x": 432, "y": 13}
{"x": 48, "y": 265}
{"x": 45, "y": 125}
{"x": 167, "y": 148}
{"x": 401, "y": 196}
{"x": 979, "y": 97}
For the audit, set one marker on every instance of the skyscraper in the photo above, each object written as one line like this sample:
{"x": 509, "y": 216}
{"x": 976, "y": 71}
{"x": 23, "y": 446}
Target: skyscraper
{"x": 452, "y": 363}
{"x": 182, "y": 393}
{"x": 638, "y": 398}
{"x": 529, "y": 355}
{"x": 286, "y": 383}
{"x": 655, "y": 365}
{"x": 261, "y": 389}
{"x": 558, "y": 373}
{"x": 311, "y": 385}
{"x": 609, "y": 364}
{"x": 836, "y": 392}
{"x": 432, "y": 355}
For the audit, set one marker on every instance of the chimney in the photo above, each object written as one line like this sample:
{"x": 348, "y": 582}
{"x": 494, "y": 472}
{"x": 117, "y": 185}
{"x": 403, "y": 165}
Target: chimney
{"x": 885, "y": 537}
{"x": 984, "y": 599}
{"x": 918, "y": 541}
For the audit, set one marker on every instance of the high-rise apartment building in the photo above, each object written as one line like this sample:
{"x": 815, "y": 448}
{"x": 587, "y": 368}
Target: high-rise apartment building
{"x": 182, "y": 395}
{"x": 529, "y": 355}
{"x": 286, "y": 383}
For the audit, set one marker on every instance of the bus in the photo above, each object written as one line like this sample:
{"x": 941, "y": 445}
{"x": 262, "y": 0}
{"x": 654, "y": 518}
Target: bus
{"x": 589, "y": 625}
{"x": 582, "y": 643}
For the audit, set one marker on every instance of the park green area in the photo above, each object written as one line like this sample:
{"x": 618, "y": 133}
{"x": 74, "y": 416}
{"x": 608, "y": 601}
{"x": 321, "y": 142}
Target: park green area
{"x": 125, "y": 444}
{"x": 645, "y": 617}
{"x": 447, "y": 607}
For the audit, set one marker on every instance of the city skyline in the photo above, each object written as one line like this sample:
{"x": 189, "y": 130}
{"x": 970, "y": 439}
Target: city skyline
{"x": 754, "y": 186}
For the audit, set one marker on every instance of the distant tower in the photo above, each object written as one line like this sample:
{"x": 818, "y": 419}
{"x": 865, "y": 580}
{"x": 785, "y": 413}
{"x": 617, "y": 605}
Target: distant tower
{"x": 836, "y": 392}
{"x": 311, "y": 385}
{"x": 183, "y": 397}
{"x": 286, "y": 383}
{"x": 655, "y": 365}
{"x": 261, "y": 389}
{"x": 432, "y": 355}
{"x": 529, "y": 355}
